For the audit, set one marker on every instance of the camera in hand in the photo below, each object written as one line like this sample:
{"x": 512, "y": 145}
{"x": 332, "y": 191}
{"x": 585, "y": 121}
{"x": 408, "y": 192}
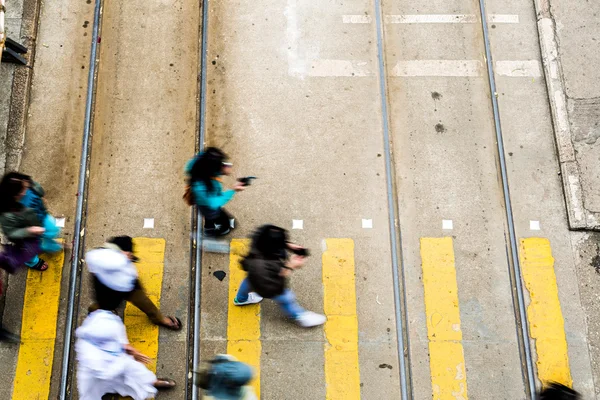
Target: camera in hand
{"x": 247, "y": 180}
{"x": 302, "y": 252}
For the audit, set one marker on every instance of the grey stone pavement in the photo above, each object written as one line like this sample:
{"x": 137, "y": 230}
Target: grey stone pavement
{"x": 570, "y": 38}
{"x": 21, "y": 25}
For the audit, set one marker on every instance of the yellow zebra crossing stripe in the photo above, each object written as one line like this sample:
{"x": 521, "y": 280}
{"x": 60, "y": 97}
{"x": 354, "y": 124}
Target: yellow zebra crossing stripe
{"x": 546, "y": 323}
{"x": 143, "y": 334}
{"x": 446, "y": 356}
{"x": 38, "y": 331}
{"x": 342, "y": 375}
{"x": 243, "y": 323}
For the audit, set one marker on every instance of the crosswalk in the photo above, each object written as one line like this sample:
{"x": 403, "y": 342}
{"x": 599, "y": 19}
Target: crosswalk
{"x": 342, "y": 374}
{"x": 342, "y": 370}
{"x": 243, "y": 323}
{"x": 446, "y": 354}
{"x": 143, "y": 335}
{"x": 546, "y": 322}
{"x": 38, "y": 331}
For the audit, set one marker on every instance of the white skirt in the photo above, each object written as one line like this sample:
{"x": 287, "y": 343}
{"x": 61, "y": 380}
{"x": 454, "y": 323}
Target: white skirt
{"x": 135, "y": 380}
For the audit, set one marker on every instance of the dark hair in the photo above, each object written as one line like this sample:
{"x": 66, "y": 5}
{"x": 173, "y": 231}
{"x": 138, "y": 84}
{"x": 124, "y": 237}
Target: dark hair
{"x": 557, "y": 391}
{"x": 107, "y": 298}
{"x": 270, "y": 241}
{"x": 125, "y": 243}
{"x": 10, "y": 187}
{"x": 208, "y": 166}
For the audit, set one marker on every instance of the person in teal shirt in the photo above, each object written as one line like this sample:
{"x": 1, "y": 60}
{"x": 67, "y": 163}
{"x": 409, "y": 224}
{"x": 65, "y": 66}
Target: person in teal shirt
{"x": 204, "y": 173}
{"x": 227, "y": 379}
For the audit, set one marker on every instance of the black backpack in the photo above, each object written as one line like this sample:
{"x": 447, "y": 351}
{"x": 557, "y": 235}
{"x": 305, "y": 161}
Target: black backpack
{"x": 264, "y": 275}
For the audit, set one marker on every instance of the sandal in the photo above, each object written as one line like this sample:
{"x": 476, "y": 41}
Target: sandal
{"x": 175, "y": 324}
{"x": 40, "y": 266}
{"x": 164, "y": 383}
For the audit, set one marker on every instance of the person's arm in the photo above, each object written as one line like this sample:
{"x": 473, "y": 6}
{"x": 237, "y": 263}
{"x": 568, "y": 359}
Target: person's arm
{"x": 214, "y": 200}
{"x": 139, "y": 357}
{"x": 13, "y": 228}
{"x": 129, "y": 349}
{"x": 294, "y": 262}
{"x": 293, "y": 246}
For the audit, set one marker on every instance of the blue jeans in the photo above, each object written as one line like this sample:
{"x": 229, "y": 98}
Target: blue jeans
{"x": 286, "y": 300}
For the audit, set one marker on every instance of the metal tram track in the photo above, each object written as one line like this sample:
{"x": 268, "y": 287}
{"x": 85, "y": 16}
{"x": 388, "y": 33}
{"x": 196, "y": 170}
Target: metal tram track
{"x": 65, "y": 389}
{"x": 67, "y": 367}
{"x": 196, "y": 237}
{"x": 518, "y": 295}
{"x": 400, "y": 300}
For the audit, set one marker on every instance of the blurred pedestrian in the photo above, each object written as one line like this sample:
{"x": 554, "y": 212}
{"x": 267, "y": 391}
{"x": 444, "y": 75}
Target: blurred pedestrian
{"x": 205, "y": 190}
{"x": 557, "y": 391}
{"x": 107, "y": 363}
{"x": 34, "y": 199}
{"x": 227, "y": 379}
{"x": 269, "y": 268}
{"x": 113, "y": 271}
{"x": 21, "y": 225}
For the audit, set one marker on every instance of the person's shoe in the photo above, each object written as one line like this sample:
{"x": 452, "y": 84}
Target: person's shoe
{"x": 217, "y": 231}
{"x": 308, "y": 319}
{"x": 253, "y": 298}
{"x": 223, "y": 232}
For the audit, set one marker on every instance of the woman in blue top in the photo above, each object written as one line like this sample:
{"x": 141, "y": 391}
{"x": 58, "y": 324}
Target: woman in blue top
{"x": 204, "y": 172}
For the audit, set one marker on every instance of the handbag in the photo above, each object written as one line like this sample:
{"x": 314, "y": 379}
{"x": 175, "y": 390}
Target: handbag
{"x": 188, "y": 195}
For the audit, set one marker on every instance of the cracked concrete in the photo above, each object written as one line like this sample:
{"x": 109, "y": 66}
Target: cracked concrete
{"x": 570, "y": 40}
{"x": 588, "y": 271}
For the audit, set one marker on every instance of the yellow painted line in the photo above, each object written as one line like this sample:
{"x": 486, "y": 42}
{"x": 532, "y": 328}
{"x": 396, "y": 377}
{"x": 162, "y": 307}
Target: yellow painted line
{"x": 342, "y": 375}
{"x": 446, "y": 356}
{"x": 38, "y": 331}
{"x": 546, "y": 323}
{"x": 243, "y": 322}
{"x": 143, "y": 334}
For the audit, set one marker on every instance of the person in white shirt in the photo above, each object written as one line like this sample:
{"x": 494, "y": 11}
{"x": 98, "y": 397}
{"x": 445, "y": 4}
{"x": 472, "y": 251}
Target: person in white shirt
{"x": 112, "y": 270}
{"x": 107, "y": 363}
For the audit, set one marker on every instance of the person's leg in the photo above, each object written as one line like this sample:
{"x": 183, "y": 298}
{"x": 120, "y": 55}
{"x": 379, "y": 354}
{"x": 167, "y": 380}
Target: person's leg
{"x": 210, "y": 216}
{"x": 33, "y": 262}
{"x": 243, "y": 292}
{"x": 222, "y": 223}
{"x": 15, "y": 256}
{"x": 227, "y": 219}
{"x": 245, "y": 296}
{"x": 289, "y": 305}
{"x": 139, "y": 299}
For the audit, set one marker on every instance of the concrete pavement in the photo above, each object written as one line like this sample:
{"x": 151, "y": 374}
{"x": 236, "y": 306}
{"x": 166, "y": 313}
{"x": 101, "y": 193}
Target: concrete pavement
{"x": 569, "y": 43}
{"x": 293, "y": 96}
{"x": 52, "y": 146}
{"x": 21, "y": 23}
{"x": 144, "y": 130}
